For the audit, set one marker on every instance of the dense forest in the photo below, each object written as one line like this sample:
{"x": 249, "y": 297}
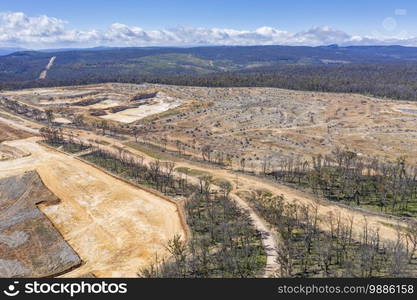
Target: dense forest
{"x": 380, "y": 71}
{"x": 393, "y": 80}
{"x": 390, "y": 80}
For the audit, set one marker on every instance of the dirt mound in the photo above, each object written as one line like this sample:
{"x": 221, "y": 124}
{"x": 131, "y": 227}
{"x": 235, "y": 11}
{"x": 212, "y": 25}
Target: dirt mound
{"x": 7, "y": 152}
{"x": 30, "y": 246}
{"x": 8, "y": 133}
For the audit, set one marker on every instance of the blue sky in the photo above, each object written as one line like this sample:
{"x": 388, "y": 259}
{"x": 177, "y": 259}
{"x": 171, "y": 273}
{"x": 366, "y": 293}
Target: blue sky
{"x": 370, "y": 20}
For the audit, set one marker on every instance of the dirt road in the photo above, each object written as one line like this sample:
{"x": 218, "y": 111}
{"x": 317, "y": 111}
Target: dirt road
{"x": 384, "y": 223}
{"x": 44, "y": 73}
{"x": 114, "y": 227}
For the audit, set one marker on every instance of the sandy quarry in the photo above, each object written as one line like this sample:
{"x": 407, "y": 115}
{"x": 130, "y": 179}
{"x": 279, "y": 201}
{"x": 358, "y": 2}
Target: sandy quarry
{"x": 159, "y": 104}
{"x": 8, "y": 133}
{"x": 114, "y": 227}
{"x": 112, "y": 101}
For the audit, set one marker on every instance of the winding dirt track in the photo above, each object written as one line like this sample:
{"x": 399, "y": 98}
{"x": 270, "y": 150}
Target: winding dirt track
{"x": 114, "y": 227}
{"x": 324, "y": 208}
{"x": 269, "y": 237}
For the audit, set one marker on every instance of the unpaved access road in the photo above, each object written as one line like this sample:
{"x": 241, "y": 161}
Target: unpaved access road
{"x": 114, "y": 227}
{"x": 385, "y": 224}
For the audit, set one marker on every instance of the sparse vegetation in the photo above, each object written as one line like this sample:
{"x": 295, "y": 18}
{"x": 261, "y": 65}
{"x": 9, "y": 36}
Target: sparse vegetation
{"x": 55, "y": 138}
{"x": 224, "y": 243}
{"x": 268, "y": 133}
{"x": 348, "y": 178}
{"x": 307, "y": 251}
{"x": 146, "y": 150}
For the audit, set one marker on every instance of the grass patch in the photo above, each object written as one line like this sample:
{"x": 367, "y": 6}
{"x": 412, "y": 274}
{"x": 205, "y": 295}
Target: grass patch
{"x": 402, "y": 228}
{"x": 192, "y": 172}
{"x": 152, "y": 153}
{"x": 68, "y": 146}
{"x": 101, "y": 142}
{"x": 221, "y": 182}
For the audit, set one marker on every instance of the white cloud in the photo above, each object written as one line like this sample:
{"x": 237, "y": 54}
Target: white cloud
{"x": 18, "y": 29}
{"x": 400, "y": 12}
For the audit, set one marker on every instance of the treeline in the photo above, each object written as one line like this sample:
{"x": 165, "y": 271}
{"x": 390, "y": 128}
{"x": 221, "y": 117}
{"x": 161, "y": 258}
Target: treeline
{"x": 55, "y": 137}
{"x": 307, "y": 251}
{"x": 386, "y": 80}
{"x": 346, "y": 177}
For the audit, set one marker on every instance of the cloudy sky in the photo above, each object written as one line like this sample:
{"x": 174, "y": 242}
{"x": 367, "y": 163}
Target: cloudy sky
{"x": 89, "y": 23}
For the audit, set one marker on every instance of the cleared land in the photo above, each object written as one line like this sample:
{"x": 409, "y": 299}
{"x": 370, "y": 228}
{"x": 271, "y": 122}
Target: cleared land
{"x": 265, "y": 122}
{"x": 244, "y": 122}
{"x": 114, "y": 227}
{"x": 250, "y": 123}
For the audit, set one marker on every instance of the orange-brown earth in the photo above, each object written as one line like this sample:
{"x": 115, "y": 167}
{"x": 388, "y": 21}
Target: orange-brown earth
{"x": 261, "y": 122}
{"x": 114, "y": 227}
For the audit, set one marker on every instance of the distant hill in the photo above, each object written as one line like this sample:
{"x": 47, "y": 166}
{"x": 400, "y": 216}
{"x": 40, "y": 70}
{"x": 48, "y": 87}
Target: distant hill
{"x": 122, "y": 62}
{"x": 9, "y": 50}
{"x": 383, "y": 71}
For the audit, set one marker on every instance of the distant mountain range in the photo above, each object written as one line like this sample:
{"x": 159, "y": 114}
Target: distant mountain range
{"x": 113, "y": 63}
{"x": 10, "y": 50}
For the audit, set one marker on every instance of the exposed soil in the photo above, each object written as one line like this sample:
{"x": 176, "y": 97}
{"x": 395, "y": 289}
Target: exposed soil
{"x": 8, "y": 133}
{"x": 253, "y": 123}
{"x": 114, "y": 227}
